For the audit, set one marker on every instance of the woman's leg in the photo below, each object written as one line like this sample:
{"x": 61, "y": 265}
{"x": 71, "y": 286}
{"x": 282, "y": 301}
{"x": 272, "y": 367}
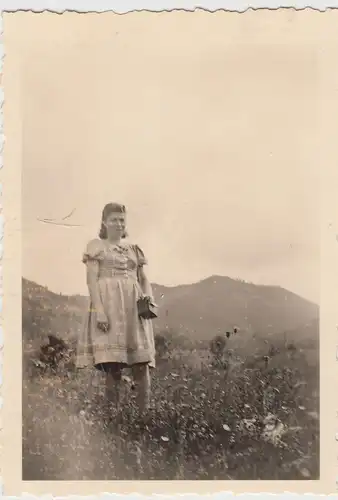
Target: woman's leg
{"x": 113, "y": 383}
{"x": 141, "y": 375}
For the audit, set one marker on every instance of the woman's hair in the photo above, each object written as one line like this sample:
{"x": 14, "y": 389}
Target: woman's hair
{"x": 109, "y": 209}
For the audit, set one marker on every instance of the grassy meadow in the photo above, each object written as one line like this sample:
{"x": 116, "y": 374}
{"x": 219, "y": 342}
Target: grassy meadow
{"x": 247, "y": 413}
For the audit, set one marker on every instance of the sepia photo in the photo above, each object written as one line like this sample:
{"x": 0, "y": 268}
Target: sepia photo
{"x": 170, "y": 246}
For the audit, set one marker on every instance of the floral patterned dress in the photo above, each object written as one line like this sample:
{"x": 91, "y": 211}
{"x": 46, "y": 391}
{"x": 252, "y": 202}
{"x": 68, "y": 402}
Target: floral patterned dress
{"x": 130, "y": 339}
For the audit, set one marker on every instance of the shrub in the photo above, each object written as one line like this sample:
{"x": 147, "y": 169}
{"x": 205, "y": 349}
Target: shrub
{"x": 162, "y": 345}
{"x": 217, "y": 345}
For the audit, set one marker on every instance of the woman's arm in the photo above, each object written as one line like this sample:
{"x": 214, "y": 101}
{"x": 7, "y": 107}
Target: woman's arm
{"x": 93, "y": 286}
{"x": 94, "y": 291}
{"x": 144, "y": 283}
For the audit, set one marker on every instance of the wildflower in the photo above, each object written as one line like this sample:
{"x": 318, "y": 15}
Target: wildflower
{"x": 269, "y": 418}
{"x": 305, "y": 472}
{"x": 138, "y": 454}
{"x": 248, "y": 425}
{"x": 273, "y": 433}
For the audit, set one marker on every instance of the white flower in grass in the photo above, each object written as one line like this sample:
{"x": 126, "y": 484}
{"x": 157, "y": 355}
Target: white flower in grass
{"x": 273, "y": 433}
{"x": 270, "y": 418}
{"x": 305, "y": 472}
{"x": 247, "y": 425}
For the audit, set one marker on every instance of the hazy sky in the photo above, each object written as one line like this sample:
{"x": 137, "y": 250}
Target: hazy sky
{"x": 208, "y": 139}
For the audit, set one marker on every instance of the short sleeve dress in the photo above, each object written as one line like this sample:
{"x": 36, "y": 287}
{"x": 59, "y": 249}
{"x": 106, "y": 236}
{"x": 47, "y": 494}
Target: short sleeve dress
{"x": 130, "y": 339}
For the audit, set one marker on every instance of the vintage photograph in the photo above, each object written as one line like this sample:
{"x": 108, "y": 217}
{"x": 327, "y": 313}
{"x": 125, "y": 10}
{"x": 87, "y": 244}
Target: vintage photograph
{"x": 170, "y": 248}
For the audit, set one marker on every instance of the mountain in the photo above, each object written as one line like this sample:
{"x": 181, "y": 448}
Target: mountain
{"x": 45, "y": 312}
{"x": 200, "y": 310}
{"x": 217, "y": 304}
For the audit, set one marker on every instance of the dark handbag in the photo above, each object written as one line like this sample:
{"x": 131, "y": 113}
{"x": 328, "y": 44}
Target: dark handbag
{"x": 146, "y": 308}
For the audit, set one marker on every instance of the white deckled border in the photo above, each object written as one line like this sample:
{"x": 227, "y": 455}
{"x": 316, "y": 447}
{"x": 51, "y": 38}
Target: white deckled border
{"x": 122, "y": 7}
{"x": 1, "y": 233}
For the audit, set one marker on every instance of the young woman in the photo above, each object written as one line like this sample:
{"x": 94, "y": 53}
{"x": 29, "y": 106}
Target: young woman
{"x": 115, "y": 336}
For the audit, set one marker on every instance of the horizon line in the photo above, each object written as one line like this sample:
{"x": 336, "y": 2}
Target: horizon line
{"x": 239, "y": 280}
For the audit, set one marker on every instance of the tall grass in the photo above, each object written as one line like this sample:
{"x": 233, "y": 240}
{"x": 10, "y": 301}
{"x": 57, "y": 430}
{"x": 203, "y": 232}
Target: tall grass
{"x": 247, "y": 420}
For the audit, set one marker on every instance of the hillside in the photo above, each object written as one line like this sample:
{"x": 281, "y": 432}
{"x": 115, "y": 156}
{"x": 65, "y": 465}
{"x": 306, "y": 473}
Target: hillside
{"x": 218, "y": 303}
{"x": 201, "y": 310}
{"x": 254, "y": 417}
{"x": 45, "y": 312}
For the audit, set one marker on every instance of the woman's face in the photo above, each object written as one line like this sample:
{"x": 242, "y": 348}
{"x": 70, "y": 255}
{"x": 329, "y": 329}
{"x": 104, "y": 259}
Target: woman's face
{"x": 115, "y": 224}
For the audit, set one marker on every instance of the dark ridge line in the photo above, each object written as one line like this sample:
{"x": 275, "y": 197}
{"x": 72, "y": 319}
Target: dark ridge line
{"x": 74, "y": 295}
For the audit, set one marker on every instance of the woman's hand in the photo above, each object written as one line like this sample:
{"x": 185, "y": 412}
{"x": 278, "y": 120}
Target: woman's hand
{"x": 149, "y": 299}
{"x": 102, "y": 321}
